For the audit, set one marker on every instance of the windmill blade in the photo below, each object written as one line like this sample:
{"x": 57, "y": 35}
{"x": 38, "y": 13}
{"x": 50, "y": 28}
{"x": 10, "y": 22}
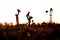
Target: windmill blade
{"x": 46, "y": 11}
{"x": 51, "y": 9}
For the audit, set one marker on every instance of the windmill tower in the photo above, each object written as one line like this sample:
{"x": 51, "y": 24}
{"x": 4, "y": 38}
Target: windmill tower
{"x": 50, "y": 14}
{"x": 17, "y": 18}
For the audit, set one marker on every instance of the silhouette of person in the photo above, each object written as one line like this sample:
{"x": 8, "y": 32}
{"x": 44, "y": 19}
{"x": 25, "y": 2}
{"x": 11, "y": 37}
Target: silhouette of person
{"x": 17, "y": 19}
{"x": 29, "y": 17}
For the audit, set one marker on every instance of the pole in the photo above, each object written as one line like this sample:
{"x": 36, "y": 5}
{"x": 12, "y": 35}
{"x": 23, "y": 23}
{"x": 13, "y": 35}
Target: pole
{"x": 51, "y": 15}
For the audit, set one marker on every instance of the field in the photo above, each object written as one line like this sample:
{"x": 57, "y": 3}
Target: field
{"x": 44, "y": 31}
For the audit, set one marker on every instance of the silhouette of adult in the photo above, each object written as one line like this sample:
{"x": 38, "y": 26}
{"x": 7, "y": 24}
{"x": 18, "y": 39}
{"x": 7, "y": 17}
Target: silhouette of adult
{"x": 29, "y": 17}
{"x": 17, "y": 18}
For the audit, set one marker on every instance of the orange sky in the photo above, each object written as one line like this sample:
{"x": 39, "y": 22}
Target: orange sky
{"x": 37, "y": 9}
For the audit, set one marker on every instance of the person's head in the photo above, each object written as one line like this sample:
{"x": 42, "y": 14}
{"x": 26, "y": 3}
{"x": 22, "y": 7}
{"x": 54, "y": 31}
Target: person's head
{"x": 28, "y": 12}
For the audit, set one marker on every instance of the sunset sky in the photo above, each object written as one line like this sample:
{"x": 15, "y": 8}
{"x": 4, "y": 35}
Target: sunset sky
{"x": 37, "y": 8}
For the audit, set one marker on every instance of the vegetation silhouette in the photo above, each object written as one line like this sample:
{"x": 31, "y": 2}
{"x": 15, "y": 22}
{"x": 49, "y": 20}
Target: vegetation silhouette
{"x": 43, "y": 31}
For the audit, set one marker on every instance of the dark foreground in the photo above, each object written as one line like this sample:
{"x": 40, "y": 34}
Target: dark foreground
{"x": 32, "y": 32}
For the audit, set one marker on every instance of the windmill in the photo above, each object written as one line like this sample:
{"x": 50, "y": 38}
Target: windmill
{"x": 17, "y": 18}
{"x": 50, "y": 14}
{"x": 29, "y": 17}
